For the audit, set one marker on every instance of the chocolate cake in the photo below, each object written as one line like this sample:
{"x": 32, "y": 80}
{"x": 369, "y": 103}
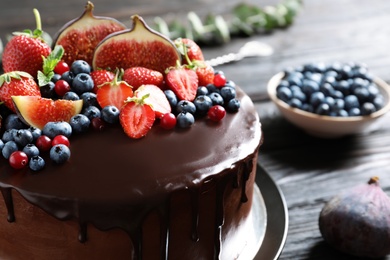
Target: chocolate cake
{"x": 178, "y": 194}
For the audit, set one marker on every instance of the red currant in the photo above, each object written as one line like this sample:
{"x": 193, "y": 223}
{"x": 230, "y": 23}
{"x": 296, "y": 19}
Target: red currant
{"x": 61, "y": 87}
{"x": 219, "y": 80}
{"x": 216, "y": 113}
{"x": 61, "y": 67}
{"x": 168, "y": 121}
{"x": 98, "y": 124}
{"x": 43, "y": 143}
{"x": 60, "y": 139}
{"x": 18, "y": 160}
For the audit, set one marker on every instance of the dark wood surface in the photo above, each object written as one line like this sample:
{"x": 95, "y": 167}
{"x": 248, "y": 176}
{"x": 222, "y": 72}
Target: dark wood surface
{"x": 308, "y": 170}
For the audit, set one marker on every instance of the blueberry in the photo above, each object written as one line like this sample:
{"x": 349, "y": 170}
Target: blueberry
{"x": 22, "y": 137}
{"x": 36, "y": 163}
{"x": 373, "y": 92}
{"x": 52, "y": 129}
{"x": 82, "y": 83}
{"x": 297, "y": 93}
{"x": 354, "y": 112}
{"x": 358, "y": 83}
{"x": 317, "y": 98}
{"x": 70, "y": 95}
{"x": 233, "y": 105}
{"x": 68, "y": 77}
{"x": 284, "y": 83}
{"x": 327, "y": 89}
{"x": 329, "y": 100}
{"x": 338, "y": 104}
{"x": 284, "y": 93}
{"x": 367, "y": 108}
{"x": 342, "y": 113}
{"x": 8, "y": 135}
{"x": 79, "y": 123}
{"x": 202, "y": 90}
{"x": 47, "y": 91}
{"x": 216, "y": 98}
{"x": 8, "y": 149}
{"x": 36, "y": 132}
{"x": 343, "y": 86}
{"x": 362, "y": 94}
{"x": 186, "y": 106}
{"x": 31, "y": 150}
{"x": 110, "y": 114}
{"x": 59, "y": 153}
{"x": 56, "y": 77}
{"x": 202, "y": 104}
{"x": 230, "y": 84}
{"x": 89, "y": 99}
{"x": 310, "y": 86}
{"x": 323, "y": 109}
{"x": 185, "y": 120}
{"x": 171, "y": 96}
{"x": 91, "y": 112}
{"x": 228, "y": 93}
{"x": 378, "y": 102}
{"x": 80, "y": 66}
{"x": 212, "y": 89}
{"x": 13, "y": 122}
{"x": 294, "y": 102}
{"x": 307, "y": 107}
{"x": 351, "y": 101}
{"x": 1, "y": 145}
{"x": 295, "y": 78}
{"x": 337, "y": 94}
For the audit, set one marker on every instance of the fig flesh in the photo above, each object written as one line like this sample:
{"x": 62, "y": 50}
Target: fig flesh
{"x": 37, "y": 111}
{"x": 80, "y": 36}
{"x": 357, "y": 222}
{"x": 139, "y": 46}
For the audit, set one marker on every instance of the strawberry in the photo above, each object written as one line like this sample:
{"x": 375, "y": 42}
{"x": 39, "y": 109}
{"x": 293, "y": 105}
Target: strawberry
{"x": 100, "y": 77}
{"x": 183, "y": 82}
{"x": 25, "y": 50}
{"x": 189, "y": 47}
{"x": 137, "y": 117}
{"x": 17, "y": 83}
{"x": 157, "y": 99}
{"x": 205, "y": 73}
{"x": 114, "y": 93}
{"x": 137, "y": 76}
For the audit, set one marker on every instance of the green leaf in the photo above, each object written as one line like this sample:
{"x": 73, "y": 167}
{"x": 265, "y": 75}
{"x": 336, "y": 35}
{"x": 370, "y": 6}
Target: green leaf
{"x": 44, "y": 79}
{"x": 49, "y": 63}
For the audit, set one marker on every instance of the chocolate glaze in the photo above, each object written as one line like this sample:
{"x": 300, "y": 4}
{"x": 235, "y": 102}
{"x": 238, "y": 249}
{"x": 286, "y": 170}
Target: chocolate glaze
{"x": 111, "y": 179}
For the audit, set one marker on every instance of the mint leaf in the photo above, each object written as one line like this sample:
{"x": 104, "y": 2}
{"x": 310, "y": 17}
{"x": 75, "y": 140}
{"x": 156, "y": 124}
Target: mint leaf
{"x": 49, "y": 63}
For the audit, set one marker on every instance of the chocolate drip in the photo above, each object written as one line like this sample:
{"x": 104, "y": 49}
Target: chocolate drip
{"x": 7, "y": 195}
{"x": 136, "y": 238}
{"x": 164, "y": 215}
{"x": 219, "y": 214}
{"x": 195, "y": 194}
{"x": 83, "y": 232}
{"x": 247, "y": 169}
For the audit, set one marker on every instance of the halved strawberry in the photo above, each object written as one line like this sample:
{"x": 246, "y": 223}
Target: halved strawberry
{"x": 138, "y": 76}
{"x": 17, "y": 83}
{"x": 100, "y": 77}
{"x": 157, "y": 99}
{"x": 137, "y": 117}
{"x": 183, "y": 82}
{"x": 114, "y": 93}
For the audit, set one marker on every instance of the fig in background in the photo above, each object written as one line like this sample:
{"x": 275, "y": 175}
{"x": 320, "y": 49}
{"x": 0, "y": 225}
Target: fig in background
{"x": 357, "y": 221}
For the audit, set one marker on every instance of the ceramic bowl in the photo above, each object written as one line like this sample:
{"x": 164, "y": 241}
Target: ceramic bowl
{"x": 328, "y": 126}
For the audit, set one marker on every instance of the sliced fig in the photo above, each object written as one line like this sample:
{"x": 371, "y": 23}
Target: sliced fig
{"x": 80, "y": 36}
{"x": 37, "y": 111}
{"x": 139, "y": 46}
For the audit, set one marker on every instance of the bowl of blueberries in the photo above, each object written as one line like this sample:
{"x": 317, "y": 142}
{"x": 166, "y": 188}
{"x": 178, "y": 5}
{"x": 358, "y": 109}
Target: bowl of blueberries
{"x": 330, "y": 100}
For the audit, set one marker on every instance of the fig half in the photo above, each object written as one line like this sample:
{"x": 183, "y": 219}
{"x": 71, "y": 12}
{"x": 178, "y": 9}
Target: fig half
{"x": 139, "y": 46}
{"x": 357, "y": 221}
{"x": 80, "y": 36}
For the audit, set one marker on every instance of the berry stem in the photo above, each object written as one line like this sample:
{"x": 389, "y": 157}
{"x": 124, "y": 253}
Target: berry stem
{"x": 37, "y": 19}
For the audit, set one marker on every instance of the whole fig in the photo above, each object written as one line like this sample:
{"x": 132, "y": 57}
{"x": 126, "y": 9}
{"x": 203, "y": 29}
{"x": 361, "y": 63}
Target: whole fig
{"x": 357, "y": 221}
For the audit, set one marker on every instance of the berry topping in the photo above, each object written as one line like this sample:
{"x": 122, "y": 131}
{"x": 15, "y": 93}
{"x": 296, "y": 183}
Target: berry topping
{"x": 216, "y": 113}
{"x": 183, "y": 82}
{"x": 156, "y": 99}
{"x": 60, "y": 153}
{"x": 60, "y": 139}
{"x": 61, "y": 67}
{"x": 100, "y": 77}
{"x": 43, "y": 143}
{"x": 36, "y": 163}
{"x": 18, "y": 160}
{"x": 138, "y": 76}
{"x": 137, "y": 117}
{"x": 168, "y": 121}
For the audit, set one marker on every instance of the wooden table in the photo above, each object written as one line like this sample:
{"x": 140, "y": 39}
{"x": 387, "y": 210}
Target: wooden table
{"x": 308, "y": 170}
